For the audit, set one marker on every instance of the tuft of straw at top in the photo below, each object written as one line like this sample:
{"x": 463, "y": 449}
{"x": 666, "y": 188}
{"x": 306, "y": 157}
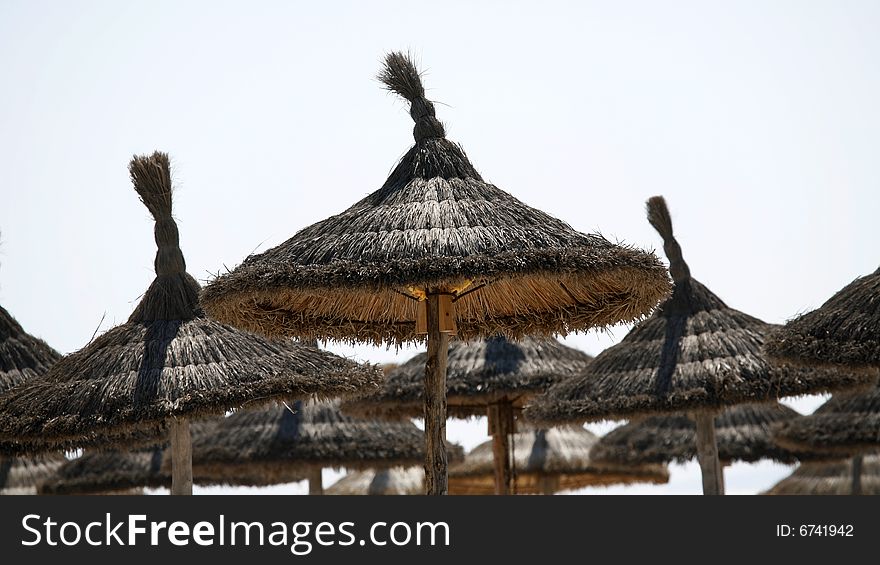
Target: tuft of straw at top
{"x": 401, "y": 76}
{"x": 658, "y": 216}
{"x": 151, "y": 176}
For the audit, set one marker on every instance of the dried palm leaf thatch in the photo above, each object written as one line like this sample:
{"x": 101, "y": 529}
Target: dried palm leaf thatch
{"x": 272, "y": 442}
{"x": 694, "y": 354}
{"x": 478, "y": 372}
{"x": 847, "y": 424}
{"x": 845, "y": 331}
{"x": 22, "y": 355}
{"x": 393, "y": 480}
{"x": 21, "y": 475}
{"x": 830, "y": 478}
{"x": 743, "y": 432}
{"x": 436, "y": 226}
{"x": 548, "y": 460}
{"x": 168, "y": 360}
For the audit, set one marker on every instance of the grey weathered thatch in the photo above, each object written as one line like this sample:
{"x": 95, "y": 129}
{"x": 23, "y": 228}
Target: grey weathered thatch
{"x": 845, "y": 331}
{"x": 547, "y": 461}
{"x": 168, "y": 360}
{"x": 394, "y": 480}
{"x": 478, "y": 372}
{"x": 22, "y": 355}
{"x": 744, "y": 433}
{"x": 694, "y": 354}
{"x": 831, "y": 478}
{"x": 847, "y": 424}
{"x": 21, "y": 475}
{"x": 273, "y": 442}
{"x": 436, "y": 226}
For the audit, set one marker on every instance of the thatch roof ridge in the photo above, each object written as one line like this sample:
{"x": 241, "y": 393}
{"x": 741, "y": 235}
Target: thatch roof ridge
{"x": 22, "y": 356}
{"x": 478, "y": 372}
{"x": 844, "y": 331}
{"x": 694, "y": 353}
{"x": 168, "y": 360}
{"x": 436, "y": 224}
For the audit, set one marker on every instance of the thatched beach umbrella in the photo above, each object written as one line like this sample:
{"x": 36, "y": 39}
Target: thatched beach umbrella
{"x": 21, "y": 475}
{"x": 743, "y": 432}
{"x": 273, "y": 442}
{"x": 847, "y": 425}
{"x": 695, "y": 355}
{"x": 492, "y": 377}
{"x": 833, "y": 477}
{"x": 168, "y": 363}
{"x": 437, "y": 251}
{"x": 22, "y": 357}
{"x": 547, "y": 461}
{"x": 394, "y": 480}
{"x": 843, "y": 332}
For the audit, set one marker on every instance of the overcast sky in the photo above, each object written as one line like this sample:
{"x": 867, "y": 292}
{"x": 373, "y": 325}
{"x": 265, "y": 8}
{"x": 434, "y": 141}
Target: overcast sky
{"x": 758, "y": 121}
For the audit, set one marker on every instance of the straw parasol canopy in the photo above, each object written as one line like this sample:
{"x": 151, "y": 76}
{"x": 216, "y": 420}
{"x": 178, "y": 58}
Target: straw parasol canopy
{"x": 436, "y": 224}
{"x": 168, "y": 362}
{"x": 436, "y": 250}
{"x": 548, "y": 461}
{"x": 847, "y": 424}
{"x": 695, "y": 354}
{"x": 831, "y": 478}
{"x": 22, "y": 356}
{"x": 478, "y": 373}
{"x": 394, "y": 480}
{"x": 845, "y": 331}
{"x": 273, "y": 442}
{"x": 484, "y": 377}
{"x": 124, "y": 471}
{"x": 21, "y": 475}
{"x": 744, "y": 433}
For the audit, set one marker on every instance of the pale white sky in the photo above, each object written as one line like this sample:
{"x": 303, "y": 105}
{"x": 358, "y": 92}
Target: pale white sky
{"x": 758, "y": 120}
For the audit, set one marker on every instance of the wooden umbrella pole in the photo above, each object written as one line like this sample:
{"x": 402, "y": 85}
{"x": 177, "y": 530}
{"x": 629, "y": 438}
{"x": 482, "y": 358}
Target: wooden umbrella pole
{"x": 707, "y": 454}
{"x": 548, "y": 484}
{"x": 857, "y": 474}
{"x": 436, "y": 473}
{"x": 316, "y": 478}
{"x": 181, "y": 457}
{"x": 501, "y": 428}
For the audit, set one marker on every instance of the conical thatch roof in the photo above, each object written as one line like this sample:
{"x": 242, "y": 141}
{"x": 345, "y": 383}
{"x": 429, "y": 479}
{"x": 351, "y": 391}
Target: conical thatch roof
{"x": 830, "y": 478}
{"x": 843, "y": 331}
{"x": 21, "y": 475}
{"x": 22, "y": 356}
{"x": 743, "y": 433}
{"x": 394, "y": 480}
{"x": 478, "y": 372}
{"x": 168, "y": 360}
{"x": 120, "y": 471}
{"x": 435, "y": 225}
{"x": 849, "y": 423}
{"x": 558, "y": 454}
{"x": 694, "y": 354}
{"x": 280, "y": 440}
